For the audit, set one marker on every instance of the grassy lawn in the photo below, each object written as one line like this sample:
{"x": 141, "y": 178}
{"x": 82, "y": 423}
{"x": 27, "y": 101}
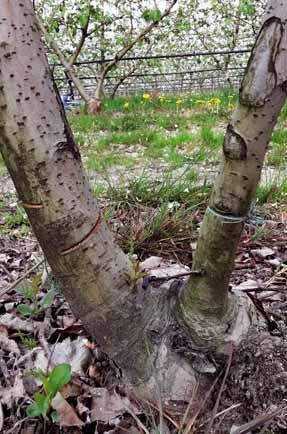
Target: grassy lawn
{"x": 151, "y": 161}
{"x": 155, "y": 133}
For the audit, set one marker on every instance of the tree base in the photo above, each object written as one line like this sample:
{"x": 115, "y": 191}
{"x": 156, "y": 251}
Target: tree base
{"x": 181, "y": 348}
{"x": 94, "y": 106}
{"x": 216, "y": 333}
{"x": 173, "y": 377}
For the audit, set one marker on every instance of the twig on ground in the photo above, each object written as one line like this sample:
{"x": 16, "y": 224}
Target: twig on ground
{"x": 14, "y": 284}
{"x": 258, "y": 421}
{"x": 26, "y": 356}
{"x": 12, "y": 430}
{"x": 140, "y": 424}
{"x": 51, "y": 354}
{"x": 192, "y": 421}
{"x": 222, "y": 413}
{"x": 2, "y": 266}
{"x": 175, "y": 276}
{"x": 276, "y": 275}
{"x": 215, "y": 408}
{"x": 165, "y": 414}
{"x": 185, "y": 416}
{"x": 264, "y": 289}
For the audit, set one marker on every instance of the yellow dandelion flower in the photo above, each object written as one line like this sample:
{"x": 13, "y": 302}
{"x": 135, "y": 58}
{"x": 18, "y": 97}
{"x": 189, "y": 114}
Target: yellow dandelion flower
{"x": 217, "y": 101}
{"x": 146, "y": 96}
{"x": 126, "y": 105}
{"x": 179, "y": 101}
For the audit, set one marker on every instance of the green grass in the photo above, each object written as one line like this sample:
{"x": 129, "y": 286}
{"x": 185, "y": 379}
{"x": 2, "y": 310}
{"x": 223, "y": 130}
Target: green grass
{"x": 140, "y": 137}
{"x": 211, "y": 139}
{"x": 101, "y": 161}
{"x": 183, "y": 134}
{"x": 3, "y": 169}
{"x": 170, "y": 101}
{"x": 14, "y": 220}
{"x": 283, "y": 114}
{"x": 171, "y": 186}
{"x": 119, "y": 122}
{"x": 156, "y": 214}
{"x": 273, "y": 191}
{"x": 163, "y": 231}
{"x": 277, "y": 155}
{"x": 177, "y": 129}
{"x": 160, "y": 141}
{"x": 176, "y": 146}
{"x": 176, "y": 158}
{"x": 85, "y": 123}
{"x": 204, "y": 118}
{"x": 173, "y": 128}
{"x": 280, "y": 136}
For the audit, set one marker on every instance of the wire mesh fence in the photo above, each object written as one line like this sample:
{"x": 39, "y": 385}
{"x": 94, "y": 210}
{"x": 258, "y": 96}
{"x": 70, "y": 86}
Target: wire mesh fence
{"x": 160, "y": 73}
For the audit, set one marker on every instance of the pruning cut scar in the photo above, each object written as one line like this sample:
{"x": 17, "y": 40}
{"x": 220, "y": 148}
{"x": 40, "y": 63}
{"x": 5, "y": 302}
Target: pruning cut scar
{"x": 86, "y": 238}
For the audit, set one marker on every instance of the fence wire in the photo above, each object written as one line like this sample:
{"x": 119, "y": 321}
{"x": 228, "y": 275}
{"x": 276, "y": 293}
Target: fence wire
{"x": 175, "y": 72}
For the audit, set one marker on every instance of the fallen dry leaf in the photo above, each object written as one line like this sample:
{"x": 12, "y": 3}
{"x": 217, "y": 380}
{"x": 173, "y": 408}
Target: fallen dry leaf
{"x": 9, "y": 395}
{"x": 264, "y": 252}
{"x": 76, "y": 353}
{"x": 16, "y": 323}
{"x": 9, "y": 345}
{"x": 107, "y": 405}
{"x": 66, "y": 413}
{"x": 71, "y": 389}
{"x": 247, "y": 285}
{"x": 3, "y": 330}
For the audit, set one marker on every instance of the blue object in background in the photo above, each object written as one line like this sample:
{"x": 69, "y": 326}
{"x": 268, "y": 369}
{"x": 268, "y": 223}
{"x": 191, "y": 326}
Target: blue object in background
{"x": 65, "y": 101}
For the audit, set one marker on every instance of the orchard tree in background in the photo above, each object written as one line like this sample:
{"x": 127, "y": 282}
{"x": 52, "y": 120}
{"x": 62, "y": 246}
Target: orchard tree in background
{"x": 197, "y": 26}
{"x": 106, "y": 30}
{"x": 218, "y": 26}
{"x": 139, "y": 329}
{"x": 96, "y": 29}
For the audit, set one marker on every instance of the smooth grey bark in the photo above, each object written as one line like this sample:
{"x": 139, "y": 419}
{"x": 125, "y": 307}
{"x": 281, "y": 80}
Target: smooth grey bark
{"x": 204, "y": 301}
{"x": 44, "y": 162}
{"x": 45, "y": 165}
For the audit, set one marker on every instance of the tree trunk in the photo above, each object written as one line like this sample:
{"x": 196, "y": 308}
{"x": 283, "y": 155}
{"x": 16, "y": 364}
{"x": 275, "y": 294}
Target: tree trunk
{"x": 262, "y": 95}
{"x": 45, "y": 165}
{"x": 138, "y": 328}
{"x": 66, "y": 64}
{"x": 96, "y": 103}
